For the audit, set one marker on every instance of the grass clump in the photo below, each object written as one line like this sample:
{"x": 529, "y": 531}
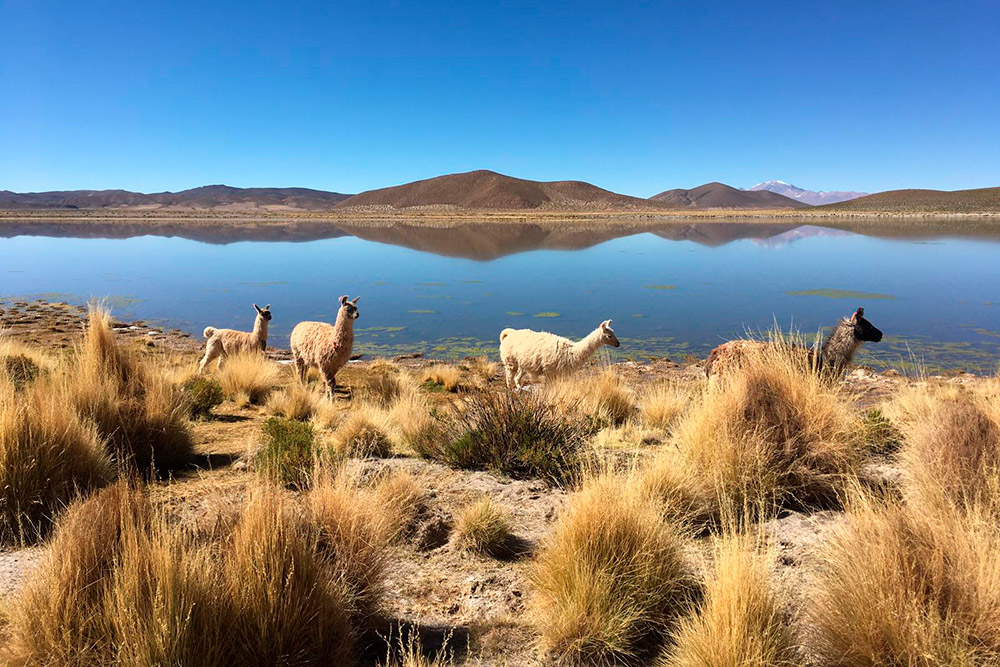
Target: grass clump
{"x": 138, "y": 412}
{"x": 483, "y": 527}
{"x": 611, "y": 581}
{"x": 20, "y": 369}
{"x": 381, "y": 385}
{"x": 769, "y": 434}
{"x": 952, "y": 457}
{"x": 201, "y": 396}
{"x": 48, "y": 455}
{"x": 900, "y": 587}
{"x": 293, "y": 402}
{"x": 739, "y": 621}
{"x": 121, "y": 586}
{"x": 249, "y": 377}
{"x": 287, "y": 454}
{"x": 604, "y": 397}
{"x": 442, "y": 377}
{"x": 516, "y": 434}
{"x": 662, "y": 405}
{"x": 363, "y": 433}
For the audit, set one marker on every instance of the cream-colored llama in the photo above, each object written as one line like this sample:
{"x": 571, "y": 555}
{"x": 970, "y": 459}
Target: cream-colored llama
{"x": 222, "y": 343}
{"x": 327, "y": 347}
{"x": 541, "y": 355}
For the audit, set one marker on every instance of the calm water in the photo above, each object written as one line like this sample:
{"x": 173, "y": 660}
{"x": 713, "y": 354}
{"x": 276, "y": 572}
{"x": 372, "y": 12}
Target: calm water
{"x": 670, "y": 290}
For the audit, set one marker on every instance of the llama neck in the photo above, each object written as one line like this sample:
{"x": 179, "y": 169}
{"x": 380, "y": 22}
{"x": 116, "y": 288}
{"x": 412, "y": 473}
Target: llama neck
{"x": 343, "y": 328}
{"x": 260, "y": 329}
{"x": 584, "y": 349}
{"x": 839, "y": 347}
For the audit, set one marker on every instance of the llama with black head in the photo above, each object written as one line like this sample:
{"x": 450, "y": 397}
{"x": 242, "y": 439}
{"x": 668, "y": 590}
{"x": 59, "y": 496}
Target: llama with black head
{"x": 834, "y": 355}
{"x": 222, "y": 343}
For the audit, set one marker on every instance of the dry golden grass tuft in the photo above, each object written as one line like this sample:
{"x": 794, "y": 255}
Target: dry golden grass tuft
{"x": 123, "y": 586}
{"x": 250, "y": 377}
{"x": 445, "y": 377}
{"x": 138, "y": 411}
{"x": 21, "y": 363}
{"x": 403, "y": 499}
{"x": 381, "y": 385}
{"x": 951, "y": 457}
{"x": 901, "y": 587}
{"x": 356, "y": 526}
{"x": 611, "y": 581}
{"x": 484, "y": 370}
{"x": 604, "y": 396}
{"x": 484, "y": 527}
{"x": 769, "y": 434}
{"x": 739, "y": 620}
{"x": 364, "y": 432}
{"x": 408, "y": 652}
{"x": 414, "y": 422}
{"x": 294, "y": 401}
{"x": 661, "y": 405}
{"x": 48, "y": 455}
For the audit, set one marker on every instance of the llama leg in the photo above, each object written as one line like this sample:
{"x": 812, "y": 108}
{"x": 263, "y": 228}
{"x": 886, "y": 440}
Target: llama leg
{"x": 211, "y": 352}
{"x": 508, "y": 369}
{"x": 331, "y": 384}
{"x": 518, "y": 377}
{"x": 300, "y": 366}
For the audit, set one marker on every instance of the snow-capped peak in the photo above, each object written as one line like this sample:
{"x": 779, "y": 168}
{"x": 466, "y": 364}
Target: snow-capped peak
{"x": 806, "y": 196}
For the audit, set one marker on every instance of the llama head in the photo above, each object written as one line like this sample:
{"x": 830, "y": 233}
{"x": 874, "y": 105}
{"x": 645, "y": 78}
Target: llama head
{"x": 264, "y": 312}
{"x": 864, "y": 330}
{"x": 608, "y": 336}
{"x": 349, "y": 307}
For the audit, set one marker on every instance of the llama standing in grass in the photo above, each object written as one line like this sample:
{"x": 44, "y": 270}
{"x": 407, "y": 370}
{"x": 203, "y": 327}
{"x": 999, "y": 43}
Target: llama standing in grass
{"x": 835, "y": 354}
{"x": 222, "y": 343}
{"x": 539, "y": 354}
{"x": 327, "y": 347}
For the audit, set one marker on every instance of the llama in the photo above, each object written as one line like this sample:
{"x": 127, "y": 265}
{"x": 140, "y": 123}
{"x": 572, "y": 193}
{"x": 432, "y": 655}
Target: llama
{"x": 835, "y": 354}
{"x": 222, "y": 343}
{"x": 328, "y": 347}
{"x": 539, "y": 354}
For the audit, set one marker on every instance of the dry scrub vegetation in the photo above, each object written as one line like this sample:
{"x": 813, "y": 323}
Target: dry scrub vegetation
{"x": 624, "y": 517}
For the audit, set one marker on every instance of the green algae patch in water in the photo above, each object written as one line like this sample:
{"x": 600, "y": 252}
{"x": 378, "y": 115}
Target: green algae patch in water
{"x": 660, "y": 287}
{"x": 515, "y": 313}
{"x": 421, "y": 311}
{"x": 843, "y": 294}
{"x": 547, "y": 314}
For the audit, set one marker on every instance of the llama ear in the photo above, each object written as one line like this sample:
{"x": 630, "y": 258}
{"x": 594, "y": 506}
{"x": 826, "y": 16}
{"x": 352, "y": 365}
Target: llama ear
{"x": 267, "y": 307}
{"x": 860, "y": 312}
{"x": 343, "y": 300}
{"x": 606, "y": 324}
{"x": 256, "y": 307}
{"x": 355, "y": 299}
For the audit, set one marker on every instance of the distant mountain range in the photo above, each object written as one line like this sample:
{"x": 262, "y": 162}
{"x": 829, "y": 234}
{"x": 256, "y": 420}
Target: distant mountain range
{"x": 215, "y": 197}
{"x": 488, "y": 190}
{"x": 806, "y": 196}
{"x": 720, "y": 195}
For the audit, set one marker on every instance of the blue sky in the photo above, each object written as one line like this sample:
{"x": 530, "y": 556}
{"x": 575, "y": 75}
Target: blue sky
{"x": 636, "y": 97}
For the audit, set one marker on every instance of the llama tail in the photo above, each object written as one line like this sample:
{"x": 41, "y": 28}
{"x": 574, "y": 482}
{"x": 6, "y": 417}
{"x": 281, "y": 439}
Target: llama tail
{"x": 209, "y": 332}
{"x": 503, "y": 334}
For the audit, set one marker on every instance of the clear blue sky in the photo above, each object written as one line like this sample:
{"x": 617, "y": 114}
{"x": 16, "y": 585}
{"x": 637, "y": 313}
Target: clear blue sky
{"x": 636, "y": 97}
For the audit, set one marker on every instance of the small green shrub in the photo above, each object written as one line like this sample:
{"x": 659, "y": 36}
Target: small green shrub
{"x": 878, "y": 433}
{"x": 20, "y": 369}
{"x": 201, "y": 396}
{"x": 286, "y": 454}
{"x": 518, "y": 435}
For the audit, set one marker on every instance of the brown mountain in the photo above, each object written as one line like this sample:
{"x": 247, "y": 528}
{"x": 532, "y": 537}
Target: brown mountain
{"x": 982, "y": 200}
{"x": 720, "y": 195}
{"x": 214, "y": 197}
{"x": 489, "y": 190}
